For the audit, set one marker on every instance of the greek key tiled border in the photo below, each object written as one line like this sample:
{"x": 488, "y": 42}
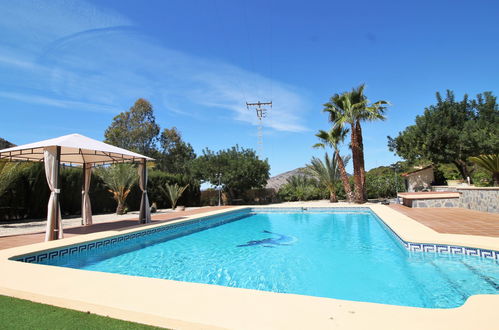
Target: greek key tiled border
{"x": 157, "y": 234}
{"x": 170, "y": 231}
{"x": 452, "y": 249}
{"x": 440, "y": 248}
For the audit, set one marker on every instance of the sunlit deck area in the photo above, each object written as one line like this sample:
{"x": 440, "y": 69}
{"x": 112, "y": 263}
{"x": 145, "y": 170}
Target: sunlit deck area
{"x": 454, "y": 220}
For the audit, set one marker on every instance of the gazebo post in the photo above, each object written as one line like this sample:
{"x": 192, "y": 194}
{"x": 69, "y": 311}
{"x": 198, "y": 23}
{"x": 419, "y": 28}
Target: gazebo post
{"x": 142, "y": 213}
{"x": 55, "y": 233}
{"x": 83, "y": 192}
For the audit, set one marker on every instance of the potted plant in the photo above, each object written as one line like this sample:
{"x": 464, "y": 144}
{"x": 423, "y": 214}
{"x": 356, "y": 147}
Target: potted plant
{"x": 454, "y": 179}
{"x": 173, "y": 193}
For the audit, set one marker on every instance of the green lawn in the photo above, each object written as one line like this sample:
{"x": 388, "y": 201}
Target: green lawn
{"x": 24, "y": 314}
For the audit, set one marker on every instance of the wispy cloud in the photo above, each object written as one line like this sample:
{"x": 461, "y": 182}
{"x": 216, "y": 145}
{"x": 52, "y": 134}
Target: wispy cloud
{"x": 78, "y": 56}
{"x": 36, "y": 99}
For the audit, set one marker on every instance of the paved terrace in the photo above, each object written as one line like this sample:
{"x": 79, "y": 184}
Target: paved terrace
{"x": 454, "y": 220}
{"x": 25, "y": 239}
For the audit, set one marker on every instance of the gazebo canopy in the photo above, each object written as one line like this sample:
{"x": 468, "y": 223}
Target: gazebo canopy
{"x": 76, "y": 149}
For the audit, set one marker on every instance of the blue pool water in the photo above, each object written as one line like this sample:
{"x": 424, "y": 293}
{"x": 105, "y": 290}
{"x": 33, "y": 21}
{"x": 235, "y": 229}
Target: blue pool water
{"x": 344, "y": 255}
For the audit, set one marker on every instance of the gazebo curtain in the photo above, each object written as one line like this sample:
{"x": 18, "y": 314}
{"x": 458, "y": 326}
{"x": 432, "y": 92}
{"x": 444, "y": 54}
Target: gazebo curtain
{"x": 145, "y": 212}
{"x": 86, "y": 207}
{"x": 54, "y": 223}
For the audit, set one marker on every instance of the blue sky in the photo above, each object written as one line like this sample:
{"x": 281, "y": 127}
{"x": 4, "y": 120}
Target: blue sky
{"x": 71, "y": 66}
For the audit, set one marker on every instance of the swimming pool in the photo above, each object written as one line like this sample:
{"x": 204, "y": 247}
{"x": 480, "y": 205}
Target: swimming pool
{"x": 344, "y": 254}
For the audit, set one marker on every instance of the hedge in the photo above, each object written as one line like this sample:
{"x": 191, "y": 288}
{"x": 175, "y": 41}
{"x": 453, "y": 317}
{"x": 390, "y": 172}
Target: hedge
{"x": 28, "y": 193}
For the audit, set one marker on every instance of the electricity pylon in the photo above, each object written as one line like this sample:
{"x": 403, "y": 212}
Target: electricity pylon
{"x": 260, "y": 113}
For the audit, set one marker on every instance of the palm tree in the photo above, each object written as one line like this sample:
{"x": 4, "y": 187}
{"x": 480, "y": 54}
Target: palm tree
{"x": 490, "y": 163}
{"x": 352, "y": 108}
{"x": 333, "y": 138}
{"x": 174, "y": 192}
{"x": 326, "y": 173}
{"x": 119, "y": 178}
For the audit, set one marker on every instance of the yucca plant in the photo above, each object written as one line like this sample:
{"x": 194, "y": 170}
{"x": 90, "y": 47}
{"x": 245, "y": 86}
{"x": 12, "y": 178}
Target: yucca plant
{"x": 174, "y": 192}
{"x": 119, "y": 178}
{"x": 490, "y": 163}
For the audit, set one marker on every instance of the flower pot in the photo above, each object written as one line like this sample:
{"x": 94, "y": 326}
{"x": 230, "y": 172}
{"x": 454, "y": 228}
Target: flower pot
{"x": 180, "y": 208}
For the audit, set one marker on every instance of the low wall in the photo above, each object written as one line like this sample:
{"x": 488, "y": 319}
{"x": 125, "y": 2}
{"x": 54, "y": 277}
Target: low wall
{"x": 485, "y": 199}
{"x": 437, "y": 202}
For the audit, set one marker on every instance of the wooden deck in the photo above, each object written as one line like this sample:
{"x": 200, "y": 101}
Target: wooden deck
{"x": 454, "y": 220}
{"x": 25, "y": 239}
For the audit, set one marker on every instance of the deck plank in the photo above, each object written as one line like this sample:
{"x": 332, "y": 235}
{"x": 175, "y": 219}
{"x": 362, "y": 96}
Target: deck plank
{"x": 454, "y": 220}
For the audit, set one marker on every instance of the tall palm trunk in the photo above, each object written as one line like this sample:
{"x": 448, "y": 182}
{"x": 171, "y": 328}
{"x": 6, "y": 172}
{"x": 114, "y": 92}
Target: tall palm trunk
{"x": 362, "y": 169}
{"x": 358, "y": 191}
{"x": 344, "y": 176}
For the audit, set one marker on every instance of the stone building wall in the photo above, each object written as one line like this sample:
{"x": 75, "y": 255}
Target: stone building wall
{"x": 420, "y": 180}
{"x": 485, "y": 199}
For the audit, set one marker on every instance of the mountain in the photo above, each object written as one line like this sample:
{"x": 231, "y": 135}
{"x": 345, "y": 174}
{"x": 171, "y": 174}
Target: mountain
{"x": 277, "y": 181}
{"x": 4, "y": 144}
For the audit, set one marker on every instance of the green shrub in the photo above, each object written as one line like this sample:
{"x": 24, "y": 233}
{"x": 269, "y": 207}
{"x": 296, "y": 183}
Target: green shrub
{"x": 27, "y": 195}
{"x": 158, "y": 179}
{"x": 383, "y": 185}
{"x": 301, "y": 188}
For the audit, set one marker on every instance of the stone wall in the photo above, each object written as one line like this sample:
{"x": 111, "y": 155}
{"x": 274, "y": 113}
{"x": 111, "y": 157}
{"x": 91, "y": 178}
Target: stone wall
{"x": 420, "y": 180}
{"x": 437, "y": 202}
{"x": 485, "y": 199}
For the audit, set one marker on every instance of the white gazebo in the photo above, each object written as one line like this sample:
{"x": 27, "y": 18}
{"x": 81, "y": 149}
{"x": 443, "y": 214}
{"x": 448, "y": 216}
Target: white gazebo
{"x": 77, "y": 150}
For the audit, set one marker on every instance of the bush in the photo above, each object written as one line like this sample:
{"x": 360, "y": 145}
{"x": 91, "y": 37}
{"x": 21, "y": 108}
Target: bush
{"x": 383, "y": 185}
{"x": 260, "y": 196}
{"x": 157, "y": 179}
{"x": 301, "y": 188}
{"x": 209, "y": 197}
{"x": 28, "y": 193}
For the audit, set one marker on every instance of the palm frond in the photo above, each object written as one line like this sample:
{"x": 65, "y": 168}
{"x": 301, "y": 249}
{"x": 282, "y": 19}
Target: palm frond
{"x": 319, "y": 145}
{"x": 174, "y": 192}
{"x": 326, "y": 172}
{"x": 119, "y": 178}
{"x": 490, "y": 163}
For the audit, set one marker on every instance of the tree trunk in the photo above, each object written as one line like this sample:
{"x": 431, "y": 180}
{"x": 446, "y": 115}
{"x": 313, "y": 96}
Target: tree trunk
{"x": 332, "y": 197}
{"x": 344, "y": 177}
{"x": 231, "y": 195}
{"x": 463, "y": 169}
{"x": 120, "y": 209}
{"x": 495, "y": 177}
{"x": 362, "y": 169}
{"x": 358, "y": 191}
